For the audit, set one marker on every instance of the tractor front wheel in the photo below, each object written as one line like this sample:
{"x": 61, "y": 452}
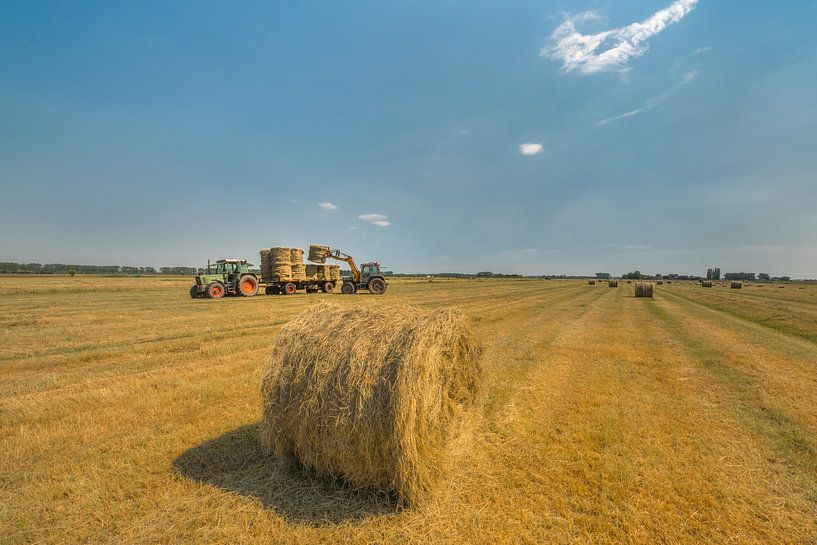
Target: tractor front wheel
{"x": 215, "y": 290}
{"x": 347, "y": 288}
{"x": 248, "y": 286}
{"x": 289, "y": 288}
{"x": 194, "y": 292}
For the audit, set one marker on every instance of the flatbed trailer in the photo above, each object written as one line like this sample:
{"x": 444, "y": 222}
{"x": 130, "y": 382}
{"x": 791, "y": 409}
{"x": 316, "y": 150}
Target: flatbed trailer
{"x": 276, "y": 286}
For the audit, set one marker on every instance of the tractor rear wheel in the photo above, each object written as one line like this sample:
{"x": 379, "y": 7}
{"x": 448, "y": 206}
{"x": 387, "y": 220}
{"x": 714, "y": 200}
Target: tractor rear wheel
{"x": 248, "y": 286}
{"x": 327, "y": 287}
{"x": 215, "y": 290}
{"x": 194, "y": 292}
{"x": 377, "y": 286}
{"x": 347, "y": 288}
{"x": 289, "y": 288}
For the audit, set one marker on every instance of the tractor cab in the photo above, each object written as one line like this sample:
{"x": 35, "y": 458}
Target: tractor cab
{"x": 228, "y": 277}
{"x": 368, "y": 270}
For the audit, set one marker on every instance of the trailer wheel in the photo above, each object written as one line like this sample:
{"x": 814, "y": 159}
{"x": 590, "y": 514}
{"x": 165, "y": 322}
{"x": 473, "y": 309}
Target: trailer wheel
{"x": 272, "y": 290}
{"x": 289, "y": 288}
{"x": 248, "y": 286}
{"x": 347, "y": 288}
{"x": 194, "y": 292}
{"x": 327, "y": 287}
{"x": 377, "y": 286}
{"x": 215, "y": 290}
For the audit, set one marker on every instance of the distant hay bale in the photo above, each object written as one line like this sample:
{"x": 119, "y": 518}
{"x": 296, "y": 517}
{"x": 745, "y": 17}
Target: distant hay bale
{"x": 374, "y": 395}
{"x": 629, "y": 281}
{"x": 644, "y": 289}
{"x": 591, "y": 282}
{"x": 317, "y": 253}
{"x": 612, "y": 283}
{"x": 706, "y": 283}
{"x": 660, "y": 282}
{"x": 736, "y": 284}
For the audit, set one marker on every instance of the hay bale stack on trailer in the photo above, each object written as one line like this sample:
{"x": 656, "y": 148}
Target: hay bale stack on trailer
{"x": 283, "y": 272}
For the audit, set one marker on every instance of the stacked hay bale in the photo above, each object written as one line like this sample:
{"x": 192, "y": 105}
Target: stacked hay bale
{"x": 736, "y": 284}
{"x": 334, "y": 274}
{"x": 612, "y": 283}
{"x": 374, "y": 395}
{"x": 317, "y": 253}
{"x": 311, "y": 271}
{"x": 281, "y": 264}
{"x": 644, "y": 289}
{"x": 706, "y": 283}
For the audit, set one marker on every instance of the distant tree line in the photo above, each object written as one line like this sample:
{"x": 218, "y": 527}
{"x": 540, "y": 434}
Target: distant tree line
{"x": 7, "y": 267}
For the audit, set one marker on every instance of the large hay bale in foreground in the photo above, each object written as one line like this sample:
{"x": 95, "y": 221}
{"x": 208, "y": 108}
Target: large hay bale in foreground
{"x": 644, "y": 289}
{"x": 736, "y": 284}
{"x": 373, "y": 395}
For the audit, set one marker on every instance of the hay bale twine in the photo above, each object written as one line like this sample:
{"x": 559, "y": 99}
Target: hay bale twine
{"x": 612, "y": 283}
{"x": 374, "y": 395}
{"x": 736, "y": 284}
{"x": 317, "y": 253}
{"x": 644, "y": 289}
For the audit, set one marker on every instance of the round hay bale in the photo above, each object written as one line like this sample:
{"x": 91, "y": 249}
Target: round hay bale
{"x": 612, "y": 283}
{"x": 644, "y": 289}
{"x": 317, "y": 253}
{"x": 706, "y": 283}
{"x": 591, "y": 282}
{"x": 298, "y": 271}
{"x": 296, "y": 256}
{"x": 374, "y": 395}
{"x": 736, "y": 284}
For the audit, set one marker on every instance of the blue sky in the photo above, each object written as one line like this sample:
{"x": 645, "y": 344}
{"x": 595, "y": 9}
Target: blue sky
{"x": 530, "y": 137}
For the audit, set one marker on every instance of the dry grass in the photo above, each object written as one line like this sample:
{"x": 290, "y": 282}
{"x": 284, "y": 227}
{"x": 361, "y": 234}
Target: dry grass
{"x": 371, "y": 395}
{"x": 129, "y": 414}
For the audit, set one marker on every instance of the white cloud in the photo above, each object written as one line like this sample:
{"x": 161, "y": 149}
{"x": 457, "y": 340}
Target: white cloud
{"x": 379, "y": 220}
{"x": 610, "y": 50}
{"x": 653, "y": 102}
{"x": 530, "y": 149}
{"x": 372, "y": 217}
{"x": 328, "y": 206}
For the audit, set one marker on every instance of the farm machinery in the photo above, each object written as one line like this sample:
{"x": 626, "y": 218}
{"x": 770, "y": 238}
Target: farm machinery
{"x": 367, "y": 276}
{"x": 231, "y": 277}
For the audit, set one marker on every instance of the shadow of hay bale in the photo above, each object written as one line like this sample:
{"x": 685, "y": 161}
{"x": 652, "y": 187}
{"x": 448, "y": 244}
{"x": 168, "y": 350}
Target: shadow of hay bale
{"x": 235, "y": 462}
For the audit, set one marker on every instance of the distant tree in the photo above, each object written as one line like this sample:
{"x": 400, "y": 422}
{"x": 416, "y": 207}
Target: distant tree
{"x": 602, "y": 275}
{"x": 763, "y": 276}
{"x": 636, "y": 275}
{"x": 72, "y": 272}
{"x": 485, "y": 273}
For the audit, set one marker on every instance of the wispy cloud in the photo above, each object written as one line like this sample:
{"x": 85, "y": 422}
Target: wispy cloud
{"x": 530, "y": 148}
{"x": 609, "y": 50}
{"x": 653, "y": 102}
{"x": 380, "y": 220}
{"x": 328, "y": 206}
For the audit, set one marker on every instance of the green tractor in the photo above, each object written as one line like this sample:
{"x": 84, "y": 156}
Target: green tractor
{"x": 231, "y": 277}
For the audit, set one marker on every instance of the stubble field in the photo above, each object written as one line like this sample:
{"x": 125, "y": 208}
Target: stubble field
{"x": 128, "y": 414}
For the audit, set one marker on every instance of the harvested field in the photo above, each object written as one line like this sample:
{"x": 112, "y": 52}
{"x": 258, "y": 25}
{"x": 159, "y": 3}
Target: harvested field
{"x": 129, "y": 415}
